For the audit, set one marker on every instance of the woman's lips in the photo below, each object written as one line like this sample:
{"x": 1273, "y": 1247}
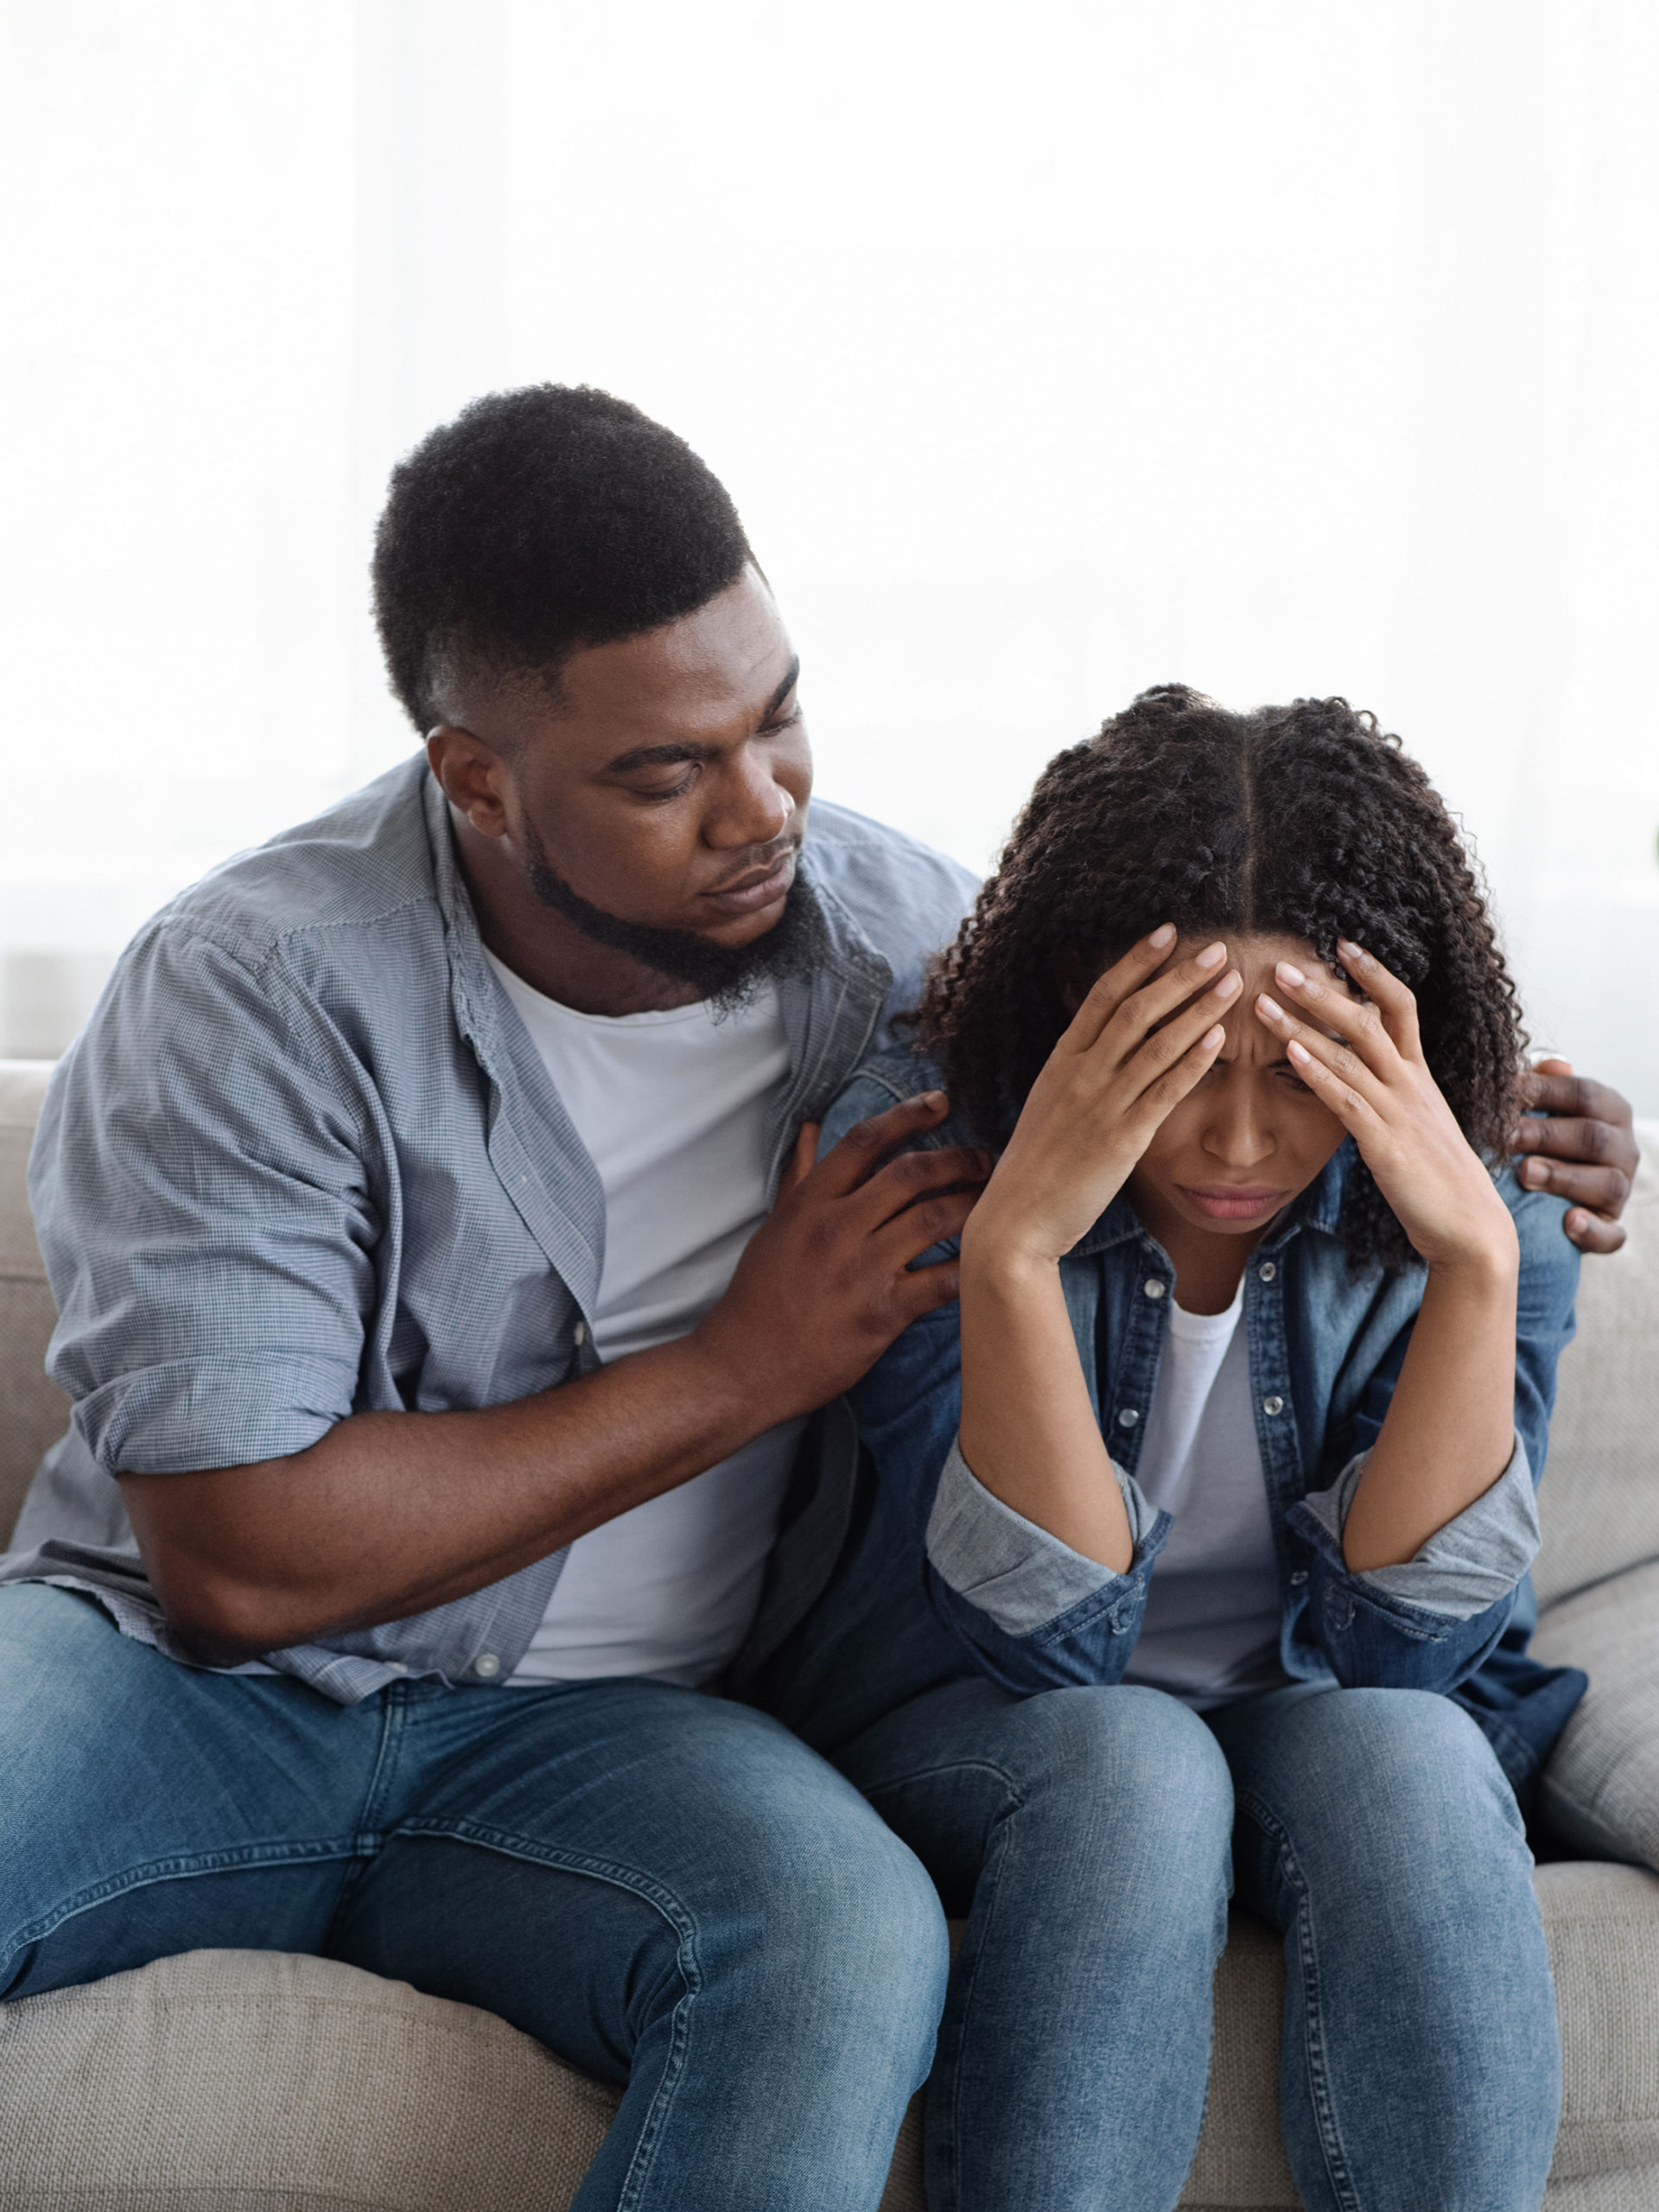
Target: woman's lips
{"x": 1232, "y": 1201}
{"x": 750, "y": 893}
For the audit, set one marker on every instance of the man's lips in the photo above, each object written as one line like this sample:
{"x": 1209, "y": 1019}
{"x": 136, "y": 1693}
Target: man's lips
{"x": 1232, "y": 1201}
{"x": 757, "y": 887}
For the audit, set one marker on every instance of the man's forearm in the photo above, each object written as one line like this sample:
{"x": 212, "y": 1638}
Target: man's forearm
{"x": 391, "y": 1514}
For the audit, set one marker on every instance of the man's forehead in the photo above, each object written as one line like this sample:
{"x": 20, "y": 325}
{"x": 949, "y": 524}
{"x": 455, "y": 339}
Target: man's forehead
{"x": 725, "y": 657}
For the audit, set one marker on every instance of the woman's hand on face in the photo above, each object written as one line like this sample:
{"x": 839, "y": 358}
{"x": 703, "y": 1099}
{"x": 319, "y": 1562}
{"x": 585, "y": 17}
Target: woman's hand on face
{"x": 1096, "y": 1107}
{"x": 1374, "y": 1078}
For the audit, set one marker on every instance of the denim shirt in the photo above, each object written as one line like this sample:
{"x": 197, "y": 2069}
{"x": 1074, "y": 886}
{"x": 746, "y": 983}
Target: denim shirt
{"x": 305, "y": 1161}
{"x": 1325, "y": 1346}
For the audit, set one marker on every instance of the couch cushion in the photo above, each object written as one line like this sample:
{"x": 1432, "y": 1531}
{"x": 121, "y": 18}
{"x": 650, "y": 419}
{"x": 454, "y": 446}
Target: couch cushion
{"x": 33, "y": 1413}
{"x": 1599, "y": 1499}
{"x": 227, "y": 2081}
{"x": 1600, "y": 1791}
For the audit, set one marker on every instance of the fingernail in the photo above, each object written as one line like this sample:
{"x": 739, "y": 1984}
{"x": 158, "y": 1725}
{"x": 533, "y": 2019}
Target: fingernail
{"x": 1350, "y": 951}
{"x": 934, "y": 1098}
{"x": 1298, "y": 1052}
{"x": 1535, "y": 1174}
{"x": 1227, "y": 985}
{"x": 1212, "y": 1036}
{"x": 1162, "y": 935}
{"x": 1578, "y": 1223}
{"x": 1291, "y": 978}
{"x": 1211, "y": 954}
{"x": 1271, "y": 1008}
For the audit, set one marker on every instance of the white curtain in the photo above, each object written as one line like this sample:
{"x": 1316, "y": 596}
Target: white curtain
{"x": 1275, "y": 345}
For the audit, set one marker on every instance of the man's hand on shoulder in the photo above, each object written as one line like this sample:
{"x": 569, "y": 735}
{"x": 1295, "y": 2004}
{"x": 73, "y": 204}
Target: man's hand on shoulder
{"x": 1581, "y": 1146}
{"x": 826, "y": 1283}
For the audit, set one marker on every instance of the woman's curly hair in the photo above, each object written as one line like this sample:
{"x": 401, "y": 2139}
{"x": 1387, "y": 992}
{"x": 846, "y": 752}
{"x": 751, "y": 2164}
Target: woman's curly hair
{"x": 1304, "y": 820}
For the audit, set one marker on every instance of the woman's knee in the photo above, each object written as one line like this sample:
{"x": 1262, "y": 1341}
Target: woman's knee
{"x": 1122, "y": 1776}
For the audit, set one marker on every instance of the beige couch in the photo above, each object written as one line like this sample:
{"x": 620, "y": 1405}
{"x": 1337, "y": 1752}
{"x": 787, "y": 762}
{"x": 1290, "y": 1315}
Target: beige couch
{"x": 253, "y": 2082}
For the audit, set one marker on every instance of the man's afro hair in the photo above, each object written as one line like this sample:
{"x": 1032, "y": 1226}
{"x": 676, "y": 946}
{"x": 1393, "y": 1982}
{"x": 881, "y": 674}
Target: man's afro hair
{"x": 538, "y": 522}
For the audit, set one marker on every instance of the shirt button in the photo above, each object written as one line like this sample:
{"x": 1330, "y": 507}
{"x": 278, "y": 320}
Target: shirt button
{"x": 1274, "y": 1405}
{"x": 397, "y": 1666}
{"x": 487, "y": 1663}
{"x": 579, "y": 1333}
{"x": 1127, "y": 1418}
{"x": 1300, "y": 1576}
{"x": 1153, "y": 1287}
{"x": 1267, "y": 1269}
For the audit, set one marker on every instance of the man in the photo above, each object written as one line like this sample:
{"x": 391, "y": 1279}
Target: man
{"x": 449, "y": 1303}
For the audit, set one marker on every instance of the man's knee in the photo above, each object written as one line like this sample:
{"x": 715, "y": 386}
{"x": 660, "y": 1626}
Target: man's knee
{"x": 841, "y": 1918}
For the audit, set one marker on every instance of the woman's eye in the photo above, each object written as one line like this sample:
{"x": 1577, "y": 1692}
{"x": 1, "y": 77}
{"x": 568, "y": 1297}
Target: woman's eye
{"x": 1291, "y": 1080}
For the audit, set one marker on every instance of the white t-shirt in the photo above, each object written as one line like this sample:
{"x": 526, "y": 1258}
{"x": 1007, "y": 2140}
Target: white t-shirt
{"x": 672, "y": 1108}
{"x": 1211, "y": 1630}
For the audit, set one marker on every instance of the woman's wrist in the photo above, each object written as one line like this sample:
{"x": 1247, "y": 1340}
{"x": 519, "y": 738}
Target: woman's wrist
{"x": 996, "y": 1256}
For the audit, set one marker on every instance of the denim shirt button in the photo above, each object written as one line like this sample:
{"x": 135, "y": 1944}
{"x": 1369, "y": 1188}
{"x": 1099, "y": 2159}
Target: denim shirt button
{"x": 487, "y": 1664}
{"x": 1267, "y": 1269}
{"x": 1299, "y": 1577}
{"x": 1127, "y": 1417}
{"x": 1273, "y": 1405}
{"x": 1153, "y": 1287}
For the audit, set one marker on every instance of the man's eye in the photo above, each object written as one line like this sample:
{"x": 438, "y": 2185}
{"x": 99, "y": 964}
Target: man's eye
{"x": 671, "y": 791}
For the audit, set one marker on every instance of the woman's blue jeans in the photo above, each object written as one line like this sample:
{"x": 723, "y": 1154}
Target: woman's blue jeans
{"x": 669, "y": 1890}
{"x": 1089, "y": 1837}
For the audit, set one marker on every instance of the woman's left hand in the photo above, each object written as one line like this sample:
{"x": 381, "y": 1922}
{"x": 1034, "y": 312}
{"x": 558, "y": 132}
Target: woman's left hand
{"x": 1374, "y": 1078}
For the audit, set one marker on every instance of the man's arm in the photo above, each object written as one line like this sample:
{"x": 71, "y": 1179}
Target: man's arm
{"x": 390, "y": 1514}
{"x": 1583, "y": 1148}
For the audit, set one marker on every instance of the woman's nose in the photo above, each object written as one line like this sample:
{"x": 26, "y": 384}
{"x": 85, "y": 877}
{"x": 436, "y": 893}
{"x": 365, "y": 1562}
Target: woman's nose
{"x": 1237, "y": 1136}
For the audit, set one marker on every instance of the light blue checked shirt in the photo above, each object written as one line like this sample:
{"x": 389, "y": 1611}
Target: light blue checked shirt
{"x": 305, "y": 1161}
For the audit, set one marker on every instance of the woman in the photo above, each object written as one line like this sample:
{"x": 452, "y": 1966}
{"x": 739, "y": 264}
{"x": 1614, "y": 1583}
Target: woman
{"x": 1197, "y": 1546}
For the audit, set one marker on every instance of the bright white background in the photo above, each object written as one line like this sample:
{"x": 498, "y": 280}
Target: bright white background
{"x": 1050, "y": 350}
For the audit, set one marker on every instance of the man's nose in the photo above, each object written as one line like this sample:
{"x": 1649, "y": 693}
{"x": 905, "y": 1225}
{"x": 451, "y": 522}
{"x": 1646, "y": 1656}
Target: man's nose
{"x": 752, "y": 807}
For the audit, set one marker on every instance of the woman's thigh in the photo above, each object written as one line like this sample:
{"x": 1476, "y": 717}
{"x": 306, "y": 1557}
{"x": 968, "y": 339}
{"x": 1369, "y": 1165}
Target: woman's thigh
{"x": 1420, "y": 2061}
{"x": 1083, "y": 1836}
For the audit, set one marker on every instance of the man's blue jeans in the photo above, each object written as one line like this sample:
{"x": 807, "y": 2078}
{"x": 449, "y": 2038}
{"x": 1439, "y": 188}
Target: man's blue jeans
{"x": 1087, "y": 1837}
{"x": 667, "y": 1889}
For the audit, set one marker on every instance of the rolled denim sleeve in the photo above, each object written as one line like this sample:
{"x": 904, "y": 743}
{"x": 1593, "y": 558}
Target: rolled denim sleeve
{"x": 1431, "y": 1621}
{"x": 1037, "y": 1614}
{"x": 1465, "y": 1567}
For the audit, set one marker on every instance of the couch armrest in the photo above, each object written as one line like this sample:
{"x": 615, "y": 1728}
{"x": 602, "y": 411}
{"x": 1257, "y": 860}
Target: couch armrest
{"x": 1601, "y": 1791}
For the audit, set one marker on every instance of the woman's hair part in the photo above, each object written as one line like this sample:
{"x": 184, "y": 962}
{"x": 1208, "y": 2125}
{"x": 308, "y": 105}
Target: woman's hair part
{"x": 1304, "y": 820}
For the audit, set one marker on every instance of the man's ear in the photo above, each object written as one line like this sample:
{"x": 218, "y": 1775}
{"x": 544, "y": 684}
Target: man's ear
{"x": 473, "y": 777}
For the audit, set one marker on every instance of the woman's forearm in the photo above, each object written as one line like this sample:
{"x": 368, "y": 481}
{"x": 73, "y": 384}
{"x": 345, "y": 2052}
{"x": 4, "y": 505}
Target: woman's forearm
{"x": 1028, "y": 1431}
{"x": 1449, "y": 1432}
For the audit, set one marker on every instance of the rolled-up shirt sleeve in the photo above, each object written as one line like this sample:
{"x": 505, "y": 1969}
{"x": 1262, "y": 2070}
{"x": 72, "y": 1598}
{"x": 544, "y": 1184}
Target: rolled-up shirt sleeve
{"x": 1036, "y": 1614}
{"x": 201, "y": 1191}
{"x": 1015, "y": 1572}
{"x": 1466, "y": 1567}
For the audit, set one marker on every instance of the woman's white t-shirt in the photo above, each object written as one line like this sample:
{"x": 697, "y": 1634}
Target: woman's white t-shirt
{"x": 1210, "y": 1630}
{"x": 672, "y": 1108}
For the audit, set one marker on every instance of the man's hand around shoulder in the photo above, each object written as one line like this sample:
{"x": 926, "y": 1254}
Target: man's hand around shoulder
{"x": 826, "y": 1284}
{"x": 1580, "y": 1144}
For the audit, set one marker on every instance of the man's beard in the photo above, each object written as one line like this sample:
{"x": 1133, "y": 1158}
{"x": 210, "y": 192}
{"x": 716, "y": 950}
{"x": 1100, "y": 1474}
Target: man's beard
{"x": 730, "y": 976}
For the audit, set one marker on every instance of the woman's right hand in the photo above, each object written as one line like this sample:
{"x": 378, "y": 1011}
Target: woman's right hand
{"x": 1106, "y": 1087}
